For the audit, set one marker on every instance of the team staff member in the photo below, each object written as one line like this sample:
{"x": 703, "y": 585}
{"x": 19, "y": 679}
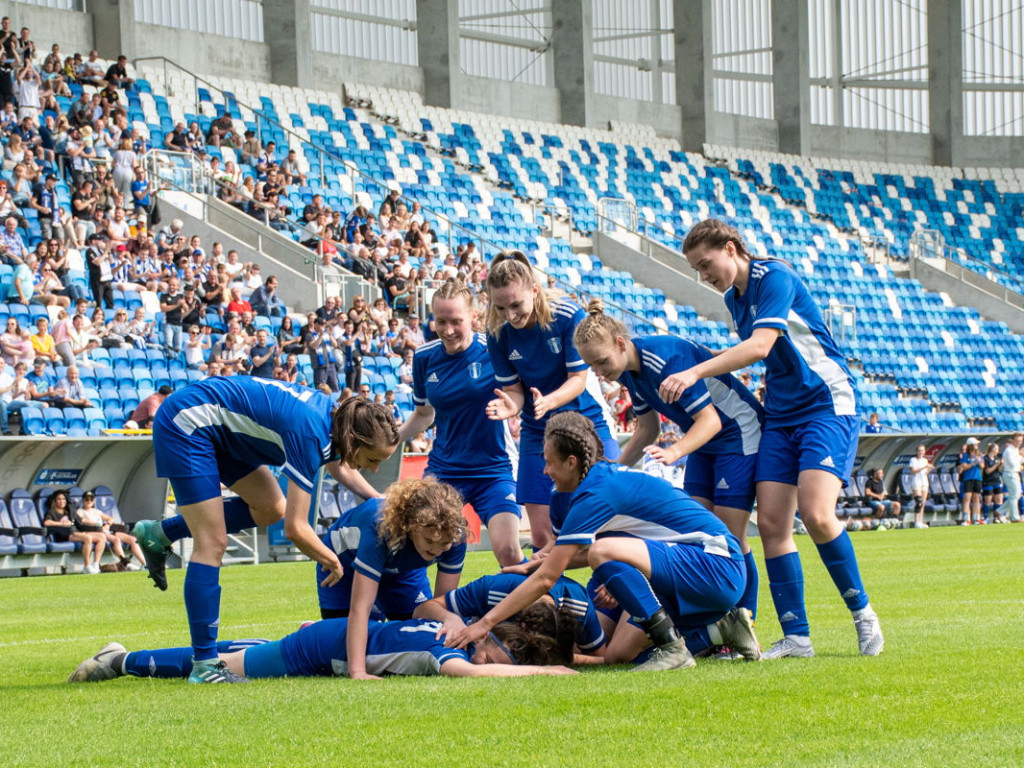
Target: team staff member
{"x": 809, "y": 440}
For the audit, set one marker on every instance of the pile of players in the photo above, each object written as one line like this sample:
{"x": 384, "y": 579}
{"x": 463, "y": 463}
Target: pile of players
{"x": 673, "y": 576}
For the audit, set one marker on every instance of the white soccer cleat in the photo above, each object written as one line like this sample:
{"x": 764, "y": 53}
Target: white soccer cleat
{"x": 101, "y": 666}
{"x": 674, "y": 655}
{"x": 790, "y": 646}
{"x": 869, "y": 632}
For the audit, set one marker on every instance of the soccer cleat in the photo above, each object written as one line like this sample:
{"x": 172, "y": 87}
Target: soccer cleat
{"x": 213, "y": 671}
{"x": 674, "y": 655}
{"x": 154, "y": 544}
{"x": 737, "y": 630}
{"x": 105, "y": 665}
{"x": 869, "y": 632}
{"x": 795, "y": 646}
{"x": 727, "y": 654}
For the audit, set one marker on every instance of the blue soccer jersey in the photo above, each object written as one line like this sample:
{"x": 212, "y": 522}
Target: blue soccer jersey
{"x": 806, "y": 375}
{"x": 356, "y": 539}
{"x": 738, "y": 409}
{"x": 392, "y": 648}
{"x": 458, "y": 387}
{"x": 478, "y": 597}
{"x": 543, "y": 358}
{"x": 616, "y": 500}
{"x": 249, "y": 420}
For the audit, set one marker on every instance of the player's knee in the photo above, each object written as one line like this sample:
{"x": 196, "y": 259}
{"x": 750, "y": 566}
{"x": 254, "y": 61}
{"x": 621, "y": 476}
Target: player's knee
{"x": 599, "y": 552}
{"x": 771, "y": 530}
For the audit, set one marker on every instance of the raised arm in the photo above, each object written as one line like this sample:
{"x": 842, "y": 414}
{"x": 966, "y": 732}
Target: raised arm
{"x": 744, "y": 354}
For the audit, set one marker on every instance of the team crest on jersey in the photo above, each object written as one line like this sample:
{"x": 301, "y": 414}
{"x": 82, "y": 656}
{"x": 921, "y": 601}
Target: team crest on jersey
{"x": 475, "y": 370}
{"x": 555, "y": 345}
{"x": 753, "y": 310}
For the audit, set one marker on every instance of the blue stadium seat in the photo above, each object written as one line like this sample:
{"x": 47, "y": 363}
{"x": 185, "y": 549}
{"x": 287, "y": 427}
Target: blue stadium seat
{"x": 8, "y": 533}
{"x": 31, "y": 535}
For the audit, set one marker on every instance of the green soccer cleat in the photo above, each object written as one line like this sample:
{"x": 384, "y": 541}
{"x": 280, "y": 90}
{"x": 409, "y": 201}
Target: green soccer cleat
{"x": 105, "y": 665}
{"x": 674, "y": 655}
{"x": 213, "y": 671}
{"x": 156, "y": 547}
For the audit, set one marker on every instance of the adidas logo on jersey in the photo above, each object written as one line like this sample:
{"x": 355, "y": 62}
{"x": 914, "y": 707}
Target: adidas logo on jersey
{"x": 421, "y": 598}
{"x": 787, "y": 616}
{"x": 514, "y": 355}
{"x": 510, "y": 497}
{"x": 827, "y": 462}
{"x": 432, "y": 378}
{"x": 722, "y": 485}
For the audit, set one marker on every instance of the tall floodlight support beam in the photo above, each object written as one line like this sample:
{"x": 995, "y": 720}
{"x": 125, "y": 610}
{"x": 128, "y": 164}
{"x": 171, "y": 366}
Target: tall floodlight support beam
{"x": 791, "y": 81}
{"x": 572, "y": 48}
{"x": 692, "y": 41}
{"x": 437, "y": 42}
{"x": 288, "y": 35}
{"x": 113, "y": 29}
{"x": 945, "y": 80}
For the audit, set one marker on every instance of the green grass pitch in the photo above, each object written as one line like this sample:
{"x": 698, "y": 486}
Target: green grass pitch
{"x": 949, "y": 689}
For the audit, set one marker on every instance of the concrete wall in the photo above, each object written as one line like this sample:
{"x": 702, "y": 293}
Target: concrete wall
{"x": 970, "y": 289}
{"x": 738, "y": 131}
{"x": 330, "y": 72}
{"x": 204, "y": 54}
{"x": 667, "y": 119}
{"x": 73, "y": 31}
{"x": 530, "y": 102}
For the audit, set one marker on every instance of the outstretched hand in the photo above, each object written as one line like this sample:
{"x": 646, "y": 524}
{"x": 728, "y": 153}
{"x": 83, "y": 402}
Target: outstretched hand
{"x": 460, "y": 638}
{"x": 667, "y": 456}
{"x": 501, "y": 407}
{"x": 673, "y": 386}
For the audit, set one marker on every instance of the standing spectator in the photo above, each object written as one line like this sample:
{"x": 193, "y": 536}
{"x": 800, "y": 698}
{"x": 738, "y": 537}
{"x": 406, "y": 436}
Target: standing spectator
{"x": 920, "y": 468}
{"x": 991, "y": 483}
{"x": 6, "y": 395}
{"x": 1010, "y": 510}
{"x": 143, "y": 414}
{"x": 263, "y": 356}
{"x": 172, "y": 305}
{"x": 970, "y": 475}
{"x": 321, "y": 352}
{"x": 124, "y": 162}
{"x": 44, "y": 202}
{"x": 351, "y": 349}
{"x": 197, "y": 346}
{"x": 874, "y": 489}
{"x": 265, "y": 301}
{"x": 872, "y": 427}
{"x": 101, "y": 272}
{"x": 289, "y": 341}
{"x": 405, "y": 373}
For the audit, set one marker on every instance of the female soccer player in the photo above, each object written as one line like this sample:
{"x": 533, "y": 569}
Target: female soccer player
{"x": 669, "y": 562}
{"x": 384, "y": 546}
{"x": 809, "y": 440}
{"x": 969, "y": 466}
{"x": 319, "y": 650}
{"x": 453, "y": 381}
{"x": 720, "y": 419}
{"x": 992, "y": 483}
{"x": 920, "y": 467}
{"x": 540, "y": 373}
{"x": 473, "y": 600}
{"x": 226, "y": 430}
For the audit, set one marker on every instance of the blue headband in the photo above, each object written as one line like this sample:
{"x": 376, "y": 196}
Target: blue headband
{"x": 501, "y": 645}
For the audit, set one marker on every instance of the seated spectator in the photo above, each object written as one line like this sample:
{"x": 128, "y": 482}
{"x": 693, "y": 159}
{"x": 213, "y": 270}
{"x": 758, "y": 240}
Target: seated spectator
{"x": 72, "y": 389}
{"x": 251, "y": 149}
{"x": 233, "y": 267}
{"x": 420, "y": 444}
{"x": 117, "y": 74}
{"x": 405, "y": 373}
{"x": 879, "y": 501}
{"x": 290, "y": 169}
{"x": 872, "y": 427}
{"x": 140, "y": 331}
{"x": 411, "y": 335}
{"x": 14, "y": 343}
{"x": 142, "y": 416}
{"x": 222, "y": 132}
{"x": 291, "y": 372}
{"x": 42, "y": 381}
{"x": 49, "y": 290}
{"x": 43, "y": 345}
{"x": 262, "y": 356}
{"x": 329, "y": 311}
{"x": 288, "y": 339}
{"x": 10, "y": 238}
{"x": 265, "y": 299}
{"x": 392, "y": 404}
{"x": 397, "y": 289}
{"x": 380, "y": 312}
{"x": 117, "y": 535}
{"x": 59, "y": 522}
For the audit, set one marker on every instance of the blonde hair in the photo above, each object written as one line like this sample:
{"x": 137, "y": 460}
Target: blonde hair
{"x": 421, "y": 503}
{"x": 597, "y": 326}
{"x": 453, "y": 289}
{"x": 513, "y": 268}
{"x": 359, "y": 423}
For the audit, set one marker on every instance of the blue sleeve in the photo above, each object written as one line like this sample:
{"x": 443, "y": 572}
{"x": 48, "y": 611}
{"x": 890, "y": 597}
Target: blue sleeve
{"x": 304, "y": 453}
{"x": 443, "y": 654}
{"x": 504, "y": 373}
{"x": 372, "y": 555}
{"x": 775, "y": 294}
{"x": 558, "y": 509}
{"x": 469, "y": 600}
{"x": 697, "y": 397}
{"x": 573, "y": 361}
{"x": 419, "y": 381}
{"x": 452, "y": 560}
{"x": 587, "y": 513}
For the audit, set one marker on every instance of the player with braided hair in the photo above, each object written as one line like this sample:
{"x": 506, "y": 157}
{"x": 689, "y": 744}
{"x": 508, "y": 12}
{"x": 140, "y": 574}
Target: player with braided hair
{"x": 720, "y": 419}
{"x": 540, "y": 373}
{"x": 671, "y": 564}
{"x": 227, "y": 431}
{"x": 385, "y": 546}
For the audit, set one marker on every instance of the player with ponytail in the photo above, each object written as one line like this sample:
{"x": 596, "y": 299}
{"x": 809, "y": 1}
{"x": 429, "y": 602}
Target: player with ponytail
{"x": 227, "y": 431}
{"x": 672, "y": 565}
{"x": 540, "y": 373}
{"x": 720, "y": 419}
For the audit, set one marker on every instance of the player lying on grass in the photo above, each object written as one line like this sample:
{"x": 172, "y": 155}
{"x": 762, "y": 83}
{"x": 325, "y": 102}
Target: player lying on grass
{"x": 318, "y": 650}
{"x": 670, "y": 563}
{"x": 384, "y": 546}
{"x": 469, "y": 602}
